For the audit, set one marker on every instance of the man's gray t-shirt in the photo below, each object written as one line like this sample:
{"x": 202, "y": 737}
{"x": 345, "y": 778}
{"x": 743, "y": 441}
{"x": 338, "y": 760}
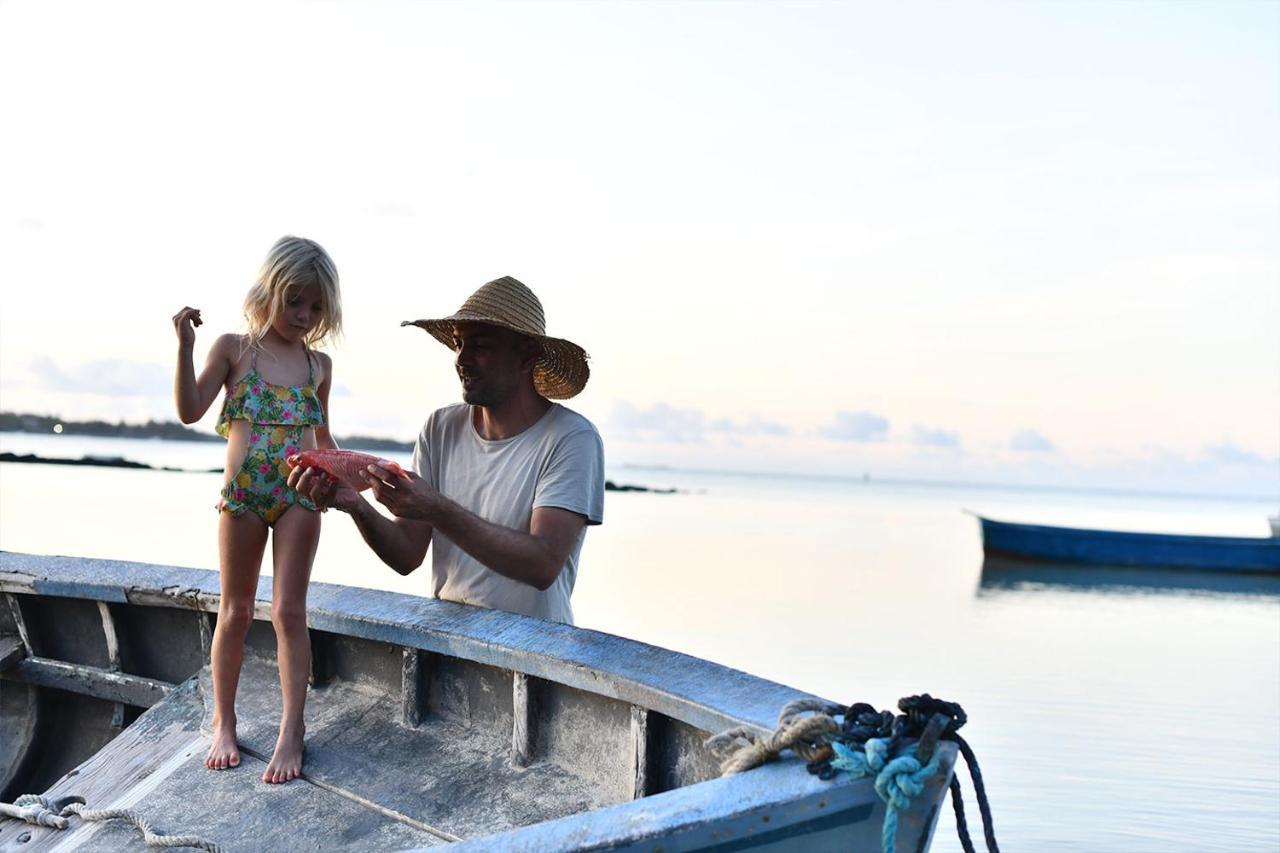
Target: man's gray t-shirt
{"x": 557, "y": 462}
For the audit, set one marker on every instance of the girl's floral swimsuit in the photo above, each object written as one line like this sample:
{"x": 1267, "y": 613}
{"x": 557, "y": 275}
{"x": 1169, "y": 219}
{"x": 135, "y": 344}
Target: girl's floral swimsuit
{"x": 279, "y": 416}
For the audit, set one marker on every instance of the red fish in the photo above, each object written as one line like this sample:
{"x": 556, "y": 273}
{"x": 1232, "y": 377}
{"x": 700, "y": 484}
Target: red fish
{"x": 345, "y": 465}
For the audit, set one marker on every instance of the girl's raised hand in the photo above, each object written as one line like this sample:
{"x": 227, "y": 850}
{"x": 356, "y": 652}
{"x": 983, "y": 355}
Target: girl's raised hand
{"x": 184, "y": 322}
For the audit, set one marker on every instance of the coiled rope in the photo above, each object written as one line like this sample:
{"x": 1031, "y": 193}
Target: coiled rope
{"x": 867, "y": 743}
{"x": 54, "y": 813}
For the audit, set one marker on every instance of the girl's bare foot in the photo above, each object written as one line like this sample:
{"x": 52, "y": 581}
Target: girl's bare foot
{"x": 224, "y": 752}
{"x": 286, "y": 761}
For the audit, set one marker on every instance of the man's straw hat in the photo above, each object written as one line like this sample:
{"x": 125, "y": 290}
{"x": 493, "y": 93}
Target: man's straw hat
{"x": 561, "y": 371}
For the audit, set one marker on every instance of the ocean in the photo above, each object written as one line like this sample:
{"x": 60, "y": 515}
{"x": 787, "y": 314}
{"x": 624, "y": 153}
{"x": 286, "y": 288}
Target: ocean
{"x": 1140, "y": 715}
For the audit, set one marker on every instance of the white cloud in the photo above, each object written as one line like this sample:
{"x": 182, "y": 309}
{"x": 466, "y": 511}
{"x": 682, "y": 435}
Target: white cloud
{"x": 932, "y": 437}
{"x": 1031, "y": 441}
{"x": 856, "y": 426}
{"x": 1228, "y": 453}
{"x": 659, "y": 422}
{"x": 114, "y": 376}
{"x": 752, "y": 426}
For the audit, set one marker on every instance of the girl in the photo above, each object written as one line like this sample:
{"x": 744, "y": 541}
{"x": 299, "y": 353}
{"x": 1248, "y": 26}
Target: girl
{"x": 277, "y": 403}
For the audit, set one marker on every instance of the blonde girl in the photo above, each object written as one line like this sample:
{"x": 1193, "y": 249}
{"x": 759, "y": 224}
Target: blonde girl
{"x": 277, "y": 403}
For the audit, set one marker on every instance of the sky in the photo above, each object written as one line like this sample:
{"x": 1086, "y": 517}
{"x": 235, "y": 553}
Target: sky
{"x": 1033, "y": 242}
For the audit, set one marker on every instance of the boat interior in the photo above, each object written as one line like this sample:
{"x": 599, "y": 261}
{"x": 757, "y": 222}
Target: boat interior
{"x": 427, "y": 722}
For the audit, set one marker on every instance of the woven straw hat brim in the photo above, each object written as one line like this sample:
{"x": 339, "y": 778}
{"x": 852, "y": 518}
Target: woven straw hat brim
{"x": 561, "y": 372}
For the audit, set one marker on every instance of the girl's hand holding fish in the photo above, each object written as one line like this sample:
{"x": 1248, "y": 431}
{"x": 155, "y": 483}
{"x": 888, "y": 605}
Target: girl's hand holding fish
{"x": 322, "y": 489}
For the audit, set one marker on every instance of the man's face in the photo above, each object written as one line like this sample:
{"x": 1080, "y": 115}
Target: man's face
{"x": 490, "y": 361}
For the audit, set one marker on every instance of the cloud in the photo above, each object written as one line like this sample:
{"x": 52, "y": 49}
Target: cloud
{"x": 856, "y": 426}
{"x": 661, "y": 422}
{"x": 934, "y": 437}
{"x": 1231, "y": 454}
{"x": 116, "y": 377}
{"x": 658, "y": 422}
{"x": 1032, "y": 441}
{"x": 755, "y": 425}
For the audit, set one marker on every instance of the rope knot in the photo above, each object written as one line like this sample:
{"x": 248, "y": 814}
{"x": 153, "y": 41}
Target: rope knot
{"x": 35, "y": 810}
{"x": 919, "y": 710}
{"x": 805, "y": 726}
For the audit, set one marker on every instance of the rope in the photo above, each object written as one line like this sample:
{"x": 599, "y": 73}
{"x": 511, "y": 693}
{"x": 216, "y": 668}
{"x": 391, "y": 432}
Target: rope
{"x": 962, "y": 826}
{"x": 807, "y": 736}
{"x": 149, "y": 835}
{"x": 897, "y": 779}
{"x": 43, "y": 811}
{"x": 975, "y": 773}
{"x": 36, "y": 810}
{"x": 867, "y": 743}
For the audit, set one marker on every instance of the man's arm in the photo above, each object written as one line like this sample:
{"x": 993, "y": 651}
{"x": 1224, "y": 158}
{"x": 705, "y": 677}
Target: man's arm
{"x": 534, "y": 557}
{"x": 401, "y": 543}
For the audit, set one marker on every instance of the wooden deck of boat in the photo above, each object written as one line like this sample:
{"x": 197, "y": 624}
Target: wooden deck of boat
{"x": 369, "y": 783}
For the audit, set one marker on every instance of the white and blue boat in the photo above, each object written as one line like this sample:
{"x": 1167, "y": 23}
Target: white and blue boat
{"x": 1127, "y": 549}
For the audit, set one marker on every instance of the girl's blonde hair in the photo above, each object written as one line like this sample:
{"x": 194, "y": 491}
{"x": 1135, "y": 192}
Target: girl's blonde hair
{"x": 292, "y": 264}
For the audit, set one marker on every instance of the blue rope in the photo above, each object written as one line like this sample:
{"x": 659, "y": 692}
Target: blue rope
{"x": 897, "y": 779}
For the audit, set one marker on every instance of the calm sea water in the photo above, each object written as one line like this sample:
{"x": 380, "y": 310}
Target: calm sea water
{"x": 1133, "y": 713}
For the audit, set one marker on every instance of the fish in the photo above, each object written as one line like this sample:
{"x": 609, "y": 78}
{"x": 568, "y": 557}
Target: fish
{"x": 344, "y": 465}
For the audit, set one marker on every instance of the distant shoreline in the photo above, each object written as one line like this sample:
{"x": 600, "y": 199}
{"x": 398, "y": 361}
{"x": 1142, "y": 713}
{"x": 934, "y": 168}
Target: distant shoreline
{"x": 168, "y": 430}
{"x": 121, "y": 462}
{"x": 99, "y": 462}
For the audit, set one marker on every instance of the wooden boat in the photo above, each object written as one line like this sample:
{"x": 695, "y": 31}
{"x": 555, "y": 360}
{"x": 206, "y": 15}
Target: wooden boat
{"x": 1119, "y": 548}
{"x": 429, "y": 723}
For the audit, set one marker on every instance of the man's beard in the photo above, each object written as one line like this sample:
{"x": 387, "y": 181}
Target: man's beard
{"x": 476, "y": 394}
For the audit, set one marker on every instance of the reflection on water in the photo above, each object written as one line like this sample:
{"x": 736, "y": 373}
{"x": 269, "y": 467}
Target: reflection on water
{"x": 1002, "y": 573}
{"x": 1097, "y": 713}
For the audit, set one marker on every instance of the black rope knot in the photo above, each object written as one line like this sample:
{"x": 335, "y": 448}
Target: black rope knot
{"x": 925, "y": 720}
{"x": 863, "y": 722}
{"x": 919, "y": 710}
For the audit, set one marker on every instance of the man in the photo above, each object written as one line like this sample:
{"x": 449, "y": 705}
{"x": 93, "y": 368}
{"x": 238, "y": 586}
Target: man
{"x": 505, "y": 483}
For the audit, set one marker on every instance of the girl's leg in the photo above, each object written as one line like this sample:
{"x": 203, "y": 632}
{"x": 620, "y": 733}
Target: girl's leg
{"x": 241, "y": 541}
{"x": 297, "y": 534}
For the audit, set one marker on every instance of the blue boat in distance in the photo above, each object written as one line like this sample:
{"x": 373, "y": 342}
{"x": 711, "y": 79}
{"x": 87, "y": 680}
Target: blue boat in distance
{"x": 1120, "y": 548}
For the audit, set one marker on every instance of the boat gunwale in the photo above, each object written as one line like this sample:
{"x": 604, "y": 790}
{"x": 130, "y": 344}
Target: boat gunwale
{"x": 698, "y": 692}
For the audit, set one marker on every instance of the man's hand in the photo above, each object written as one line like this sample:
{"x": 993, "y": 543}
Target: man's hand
{"x": 405, "y": 498}
{"x": 323, "y": 490}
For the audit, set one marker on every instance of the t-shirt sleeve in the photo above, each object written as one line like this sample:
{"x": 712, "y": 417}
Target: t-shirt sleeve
{"x": 421, "y": 460}
{"x": 573, "y": 477}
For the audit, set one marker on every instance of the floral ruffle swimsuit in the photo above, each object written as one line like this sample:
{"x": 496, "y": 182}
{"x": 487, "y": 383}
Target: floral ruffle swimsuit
{"x": 279, "y": 416}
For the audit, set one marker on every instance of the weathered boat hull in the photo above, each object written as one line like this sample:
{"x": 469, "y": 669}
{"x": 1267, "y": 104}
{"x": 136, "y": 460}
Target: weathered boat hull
{"x": 429, "y": 723}
{"x": 1119, "y": 548}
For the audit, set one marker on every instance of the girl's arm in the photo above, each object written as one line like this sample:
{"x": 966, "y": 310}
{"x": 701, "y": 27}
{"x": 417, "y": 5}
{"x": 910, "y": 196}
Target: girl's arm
{"x": 324, "y": 437}
{"x": 193, "y": 395}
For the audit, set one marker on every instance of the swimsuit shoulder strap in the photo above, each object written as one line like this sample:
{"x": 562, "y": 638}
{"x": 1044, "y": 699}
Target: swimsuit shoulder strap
{"x": 311, "y": 370}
